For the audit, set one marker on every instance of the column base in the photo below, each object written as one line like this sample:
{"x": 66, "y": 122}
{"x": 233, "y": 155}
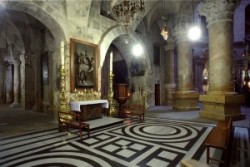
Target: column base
{"x": 222, "y": 106}
{"x": 15, "y": 105}
{"x": 169, "y": 91}
{"x": 186, "y": 101}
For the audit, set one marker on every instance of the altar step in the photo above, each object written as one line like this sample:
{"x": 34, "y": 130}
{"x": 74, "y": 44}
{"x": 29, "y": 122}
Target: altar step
{"x": 103, "y": 122}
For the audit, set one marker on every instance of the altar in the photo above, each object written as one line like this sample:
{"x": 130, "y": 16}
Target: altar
{"x": 90, "y": 109}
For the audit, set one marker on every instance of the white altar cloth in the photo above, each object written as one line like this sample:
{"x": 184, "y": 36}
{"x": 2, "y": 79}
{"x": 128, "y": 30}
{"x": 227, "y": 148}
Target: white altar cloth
{"x": 75, "y": 105}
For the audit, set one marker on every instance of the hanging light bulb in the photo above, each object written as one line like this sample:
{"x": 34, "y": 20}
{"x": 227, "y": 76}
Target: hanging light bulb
{"x": 137, "y": 50}
{"x": 194, "y": 33}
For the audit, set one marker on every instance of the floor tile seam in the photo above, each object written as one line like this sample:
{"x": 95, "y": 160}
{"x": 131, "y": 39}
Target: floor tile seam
{"x": 94, "y": 132}
{"x": 29, "y": 143}
{"x": 104, "y": 142}
{"x": 198, "y": 143}
{"x": 182, "y": 121}
{"x": 95, "y": 151}
{"x": 35, "y": 147}
{"x": 26, "y": 137}
{"x": 28, "y": 134}
{"x": 50, "y": 155}
{"x": 24, "y": 153}
{"x": 135, "y": 140}
{"x": 141, "y": 157}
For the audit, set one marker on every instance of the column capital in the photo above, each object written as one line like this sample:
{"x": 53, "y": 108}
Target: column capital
{"x": 218, "y": 10}
{"x": 170, "y": 44}
{"x": 17, "y": 61}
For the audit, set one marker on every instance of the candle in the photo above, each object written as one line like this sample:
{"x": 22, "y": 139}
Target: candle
{"x": 62, "y": 52}
{"x": 111, "y": 62}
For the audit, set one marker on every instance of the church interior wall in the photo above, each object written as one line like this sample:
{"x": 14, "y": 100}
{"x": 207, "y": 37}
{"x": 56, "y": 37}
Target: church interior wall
{"x": 83, "y": 21}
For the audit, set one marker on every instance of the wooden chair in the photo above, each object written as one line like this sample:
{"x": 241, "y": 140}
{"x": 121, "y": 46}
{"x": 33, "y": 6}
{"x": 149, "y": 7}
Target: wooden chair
{"x": 69, "y": 120}
{"x": 129, "y": 110}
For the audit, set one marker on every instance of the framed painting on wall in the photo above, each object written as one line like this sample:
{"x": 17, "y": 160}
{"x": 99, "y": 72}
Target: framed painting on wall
{"x": 83, "y": 67}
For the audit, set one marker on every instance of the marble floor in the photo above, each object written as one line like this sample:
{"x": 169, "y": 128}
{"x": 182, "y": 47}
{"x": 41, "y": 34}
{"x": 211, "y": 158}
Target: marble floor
{"x": 156, "y": 142}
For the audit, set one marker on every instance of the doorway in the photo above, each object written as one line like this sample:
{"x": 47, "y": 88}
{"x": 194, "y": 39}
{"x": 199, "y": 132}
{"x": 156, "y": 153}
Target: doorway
{"x": 157, "y": 95}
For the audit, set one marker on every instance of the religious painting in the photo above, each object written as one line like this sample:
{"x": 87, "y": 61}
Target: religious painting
{"x": 137, "y": 67}
{"x": 83, "y": 67}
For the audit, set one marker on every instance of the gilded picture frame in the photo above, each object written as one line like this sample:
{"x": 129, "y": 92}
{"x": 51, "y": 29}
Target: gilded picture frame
{"x": 83, "y": 65}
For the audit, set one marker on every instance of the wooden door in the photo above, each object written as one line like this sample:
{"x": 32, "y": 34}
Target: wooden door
{"x": 157, "y": 94}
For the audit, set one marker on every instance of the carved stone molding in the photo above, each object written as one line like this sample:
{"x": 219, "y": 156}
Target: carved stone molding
{"x": 170, "y": 44}
{"x": 218, "y": 10}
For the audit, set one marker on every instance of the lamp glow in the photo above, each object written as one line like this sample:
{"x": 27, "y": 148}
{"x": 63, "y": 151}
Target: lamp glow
{"x": 194, "y": 33}
{"x": 137, "y": 50}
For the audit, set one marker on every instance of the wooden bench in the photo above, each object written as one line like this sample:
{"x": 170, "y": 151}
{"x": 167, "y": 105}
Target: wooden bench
{"x": 219, "y": 138}
{"x": 134, "y": 110}
{"x": 68, "y": 120}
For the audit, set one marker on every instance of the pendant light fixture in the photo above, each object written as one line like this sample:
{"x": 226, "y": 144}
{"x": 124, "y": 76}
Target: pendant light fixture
{"x": 164, "y": 29}
{"x": 194, "y": 32}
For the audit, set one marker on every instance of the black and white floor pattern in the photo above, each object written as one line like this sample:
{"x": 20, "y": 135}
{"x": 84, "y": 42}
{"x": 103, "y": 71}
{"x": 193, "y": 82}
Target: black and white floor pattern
{"x": 153, "y": 143}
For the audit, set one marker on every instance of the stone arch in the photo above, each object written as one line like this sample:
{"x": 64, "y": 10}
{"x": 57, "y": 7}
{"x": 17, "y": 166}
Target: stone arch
{"x": 109, "y": 37}
{"x": 57, "y": 34}
{"x": 40, "y": 15}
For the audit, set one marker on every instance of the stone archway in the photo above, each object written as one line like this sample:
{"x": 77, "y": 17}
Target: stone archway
{"x": 56, "y": 33}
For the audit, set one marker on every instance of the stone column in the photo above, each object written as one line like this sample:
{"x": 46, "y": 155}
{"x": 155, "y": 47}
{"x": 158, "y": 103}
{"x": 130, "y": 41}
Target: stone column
{"x": 170, "y": 85}
{"x": 16, "y": 80}
{"x": 185, "y": 98}
{"x": 221, "y": 101}
{"x": 1, "y": 81}
{"x": 8, "y": 82}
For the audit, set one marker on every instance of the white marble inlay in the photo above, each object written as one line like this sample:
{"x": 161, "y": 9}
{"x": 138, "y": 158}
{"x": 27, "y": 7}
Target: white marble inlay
{"x": 123, "y": 142}
{"x": 156, "y": 162}
{"x": 103, "y": 137}
{"x": 181, "y": 145}
{"x": 110, "y": 148}
{"x": 126, "y": 153}
{"x": 137, "y": 146}
{"x": 66, "y": 147}
{"x": 161, "y": 130}
{"x": 104, "y": 121}
{"x": 118, "y": 131}
{"x": 90, "y": 141}
{"x": 167, "y": 155}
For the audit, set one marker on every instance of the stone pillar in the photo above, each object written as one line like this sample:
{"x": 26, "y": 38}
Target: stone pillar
{"x": 185, "y": 98}
{"x": 1, "y": 81}
{"x": 221, "y": 101}
{"x": 16, "y": 80}
{"x": 8, "y": 82}
{"x": 170, "y": 85}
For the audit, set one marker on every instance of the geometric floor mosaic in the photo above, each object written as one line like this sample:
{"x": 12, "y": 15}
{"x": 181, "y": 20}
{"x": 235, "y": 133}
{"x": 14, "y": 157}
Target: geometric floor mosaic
{"x": 153, "y": 143}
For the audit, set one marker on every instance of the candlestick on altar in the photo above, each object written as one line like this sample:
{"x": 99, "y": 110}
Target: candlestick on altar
{"x": 62, "y": 53}
{"x": 63, "y": 96}
{"x": 111, "y": 63}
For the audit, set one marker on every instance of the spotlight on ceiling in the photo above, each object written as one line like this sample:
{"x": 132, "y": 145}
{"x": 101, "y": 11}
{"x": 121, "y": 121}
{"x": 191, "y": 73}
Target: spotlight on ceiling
{"x": 194, "y": 33}
{"x": 137, "y": 50}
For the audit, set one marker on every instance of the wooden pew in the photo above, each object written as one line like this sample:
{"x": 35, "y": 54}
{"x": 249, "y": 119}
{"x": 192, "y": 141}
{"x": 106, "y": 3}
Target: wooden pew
{"x": 219, "y": 138}
{"x": 69, "y": 120}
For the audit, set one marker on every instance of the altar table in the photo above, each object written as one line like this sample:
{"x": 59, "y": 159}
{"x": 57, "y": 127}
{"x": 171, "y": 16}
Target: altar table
{"x": 90, "y": 109}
